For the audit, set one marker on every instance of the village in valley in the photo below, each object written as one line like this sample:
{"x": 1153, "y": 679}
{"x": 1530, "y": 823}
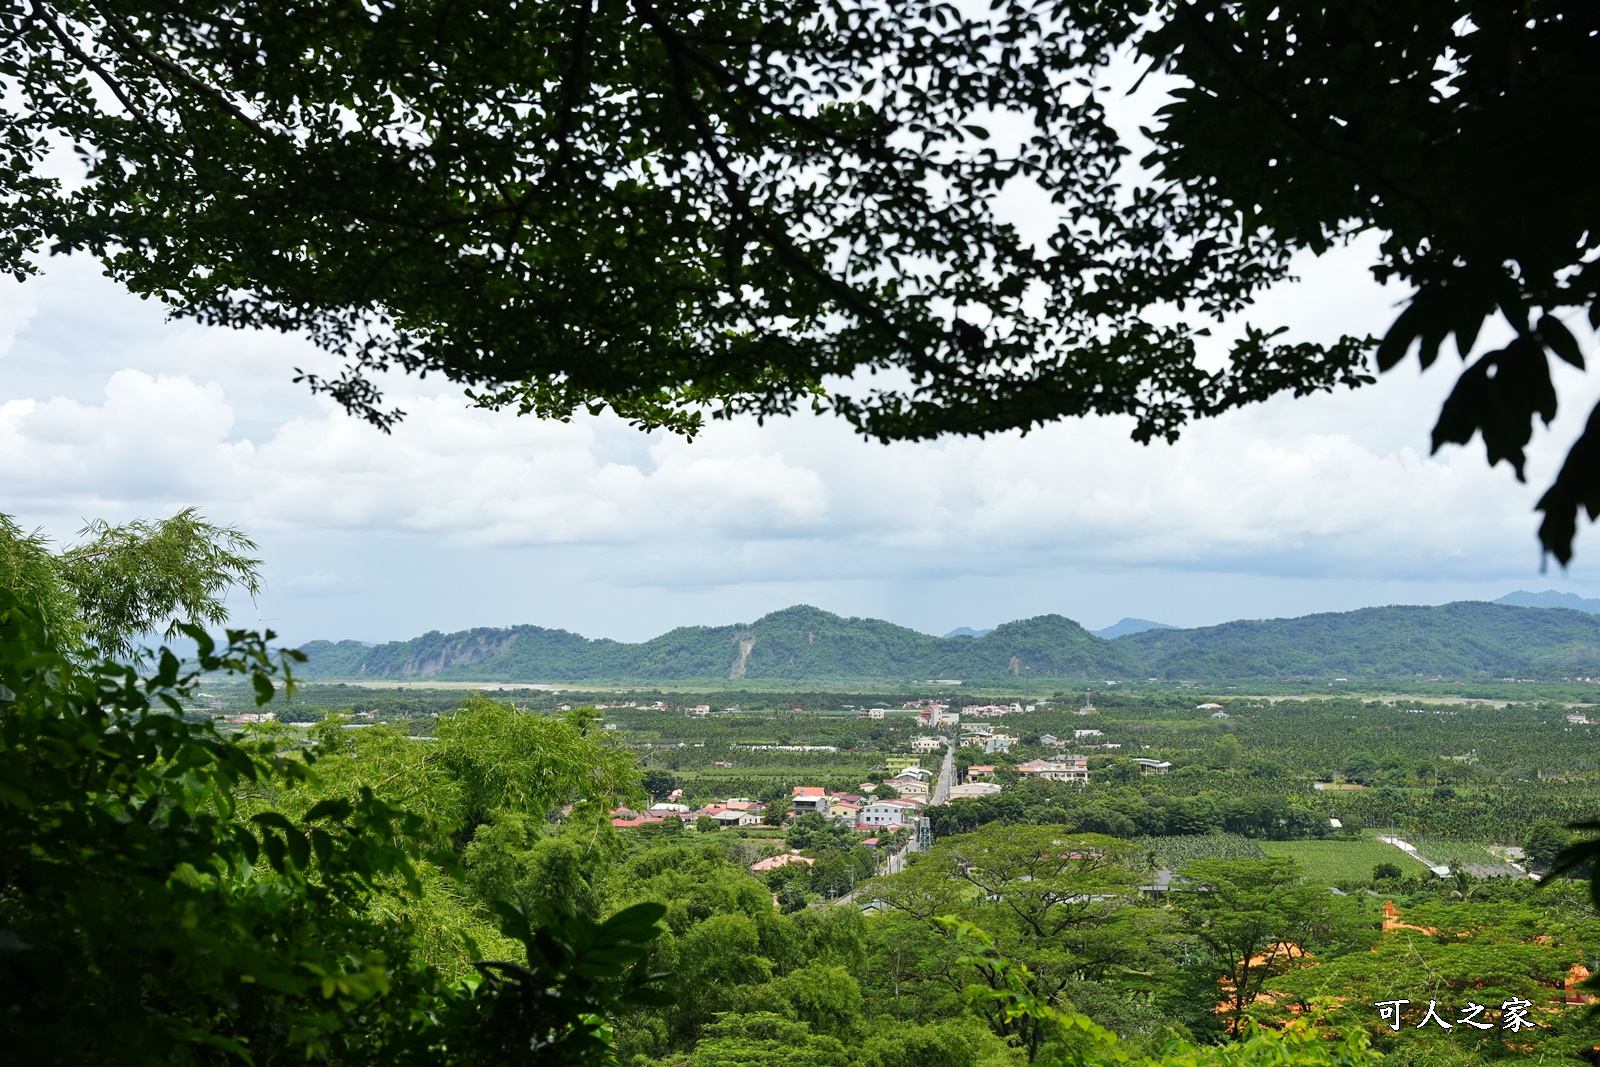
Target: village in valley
{"x": 1422, "y": 824}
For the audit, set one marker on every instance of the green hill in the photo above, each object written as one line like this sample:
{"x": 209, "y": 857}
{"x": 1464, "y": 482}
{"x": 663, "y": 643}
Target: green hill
{"x": 1464, "y": 639}
{"x": 1461, "y": 640}
{"x": 796, "y": 643}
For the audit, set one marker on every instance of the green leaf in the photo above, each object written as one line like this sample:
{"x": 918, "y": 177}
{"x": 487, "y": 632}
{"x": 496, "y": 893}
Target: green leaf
{"x": 1392, "y": 349}
{"x": 273, "y": 846}
{"x": 322, "y": 844}
{"x": 274, "y": 819}
{"x": 299, "y": 850}
{"x": 333, "y": 808}
{"x": 1553, "y": 332}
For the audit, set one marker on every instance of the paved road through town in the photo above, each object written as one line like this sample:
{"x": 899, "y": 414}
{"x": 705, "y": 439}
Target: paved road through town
{"x": 947, "y": 774}
{"x": 941, "y": 793}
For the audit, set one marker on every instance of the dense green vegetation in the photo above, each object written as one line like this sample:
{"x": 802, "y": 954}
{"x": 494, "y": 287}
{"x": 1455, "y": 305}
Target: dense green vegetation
{"x": 397, "y": 889}
{"x": 1462, "y": 641}
{"x": 373, "y": 897}
{"x": 1343, "y": 861}
{"x": 1457, "y": 640}
{"x": 1461, "y": 772}
{"x": 403, "y": 876}
{"x": 796, "y": 643}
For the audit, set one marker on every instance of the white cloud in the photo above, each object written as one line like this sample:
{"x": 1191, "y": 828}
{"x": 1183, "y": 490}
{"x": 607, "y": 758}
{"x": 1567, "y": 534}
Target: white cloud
{"x": 1226, "y": 495}
{"x": 464, "y": 517}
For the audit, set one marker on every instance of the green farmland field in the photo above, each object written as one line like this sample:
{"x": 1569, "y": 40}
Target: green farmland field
{"x": 1342, "y": 861}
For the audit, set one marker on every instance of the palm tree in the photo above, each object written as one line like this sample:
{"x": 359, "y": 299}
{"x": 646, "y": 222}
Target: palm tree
{"x": 1465, "y": 885}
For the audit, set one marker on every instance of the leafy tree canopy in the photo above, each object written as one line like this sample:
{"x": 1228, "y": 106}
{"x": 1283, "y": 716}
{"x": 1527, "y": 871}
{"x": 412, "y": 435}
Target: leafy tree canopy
{"x": 121, "y": 582}
{"x": 1437, "y": 126}
{"x": 660, "y": 206}
{"x": 156, "y": 912}
{"x": 647, "y": 205}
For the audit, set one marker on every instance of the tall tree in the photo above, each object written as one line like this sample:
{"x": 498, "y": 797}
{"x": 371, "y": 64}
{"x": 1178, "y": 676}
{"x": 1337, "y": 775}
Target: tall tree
{"x": 1054, "y": 901}
{"x": 156, "y": 909}
{"x": 1254, "y": 920}
{"x": 1440, "y": 126}
{"x": 123, "y": 582}
{"x": 662, "y": 206}
{"x": 646, "y": 204}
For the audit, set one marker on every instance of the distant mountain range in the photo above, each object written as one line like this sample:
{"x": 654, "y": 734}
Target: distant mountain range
{"x": 1116, "y": 629}
{"x": 1462, "y": 640}
{"x": 1550, "y": 599}
{"x": 1123, "y": 627}
{"x": 967, "y": 631}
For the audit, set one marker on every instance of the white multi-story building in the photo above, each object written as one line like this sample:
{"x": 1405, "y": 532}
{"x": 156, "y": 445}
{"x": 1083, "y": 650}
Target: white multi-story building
{"x": 1067, "y": 769}
{"x": 890, "y": 813}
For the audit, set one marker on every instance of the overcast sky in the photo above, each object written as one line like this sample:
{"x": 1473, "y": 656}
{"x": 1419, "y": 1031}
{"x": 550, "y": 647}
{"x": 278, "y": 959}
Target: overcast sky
{"x": 466, "y": 518}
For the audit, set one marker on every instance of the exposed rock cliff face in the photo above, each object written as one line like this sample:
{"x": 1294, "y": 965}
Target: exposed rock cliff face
{"x": 477, "y": 647}
{"x": 746, "y": 642}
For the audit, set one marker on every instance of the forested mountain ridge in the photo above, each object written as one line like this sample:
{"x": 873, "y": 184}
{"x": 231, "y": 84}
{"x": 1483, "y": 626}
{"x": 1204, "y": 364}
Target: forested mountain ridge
{"x": 798, "y": 642}
{"x": 1463, "y": 639}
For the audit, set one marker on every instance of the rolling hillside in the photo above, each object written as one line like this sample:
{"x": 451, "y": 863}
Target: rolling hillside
{"x": 1462, "y": 640}
{"x": 795, "y": 643}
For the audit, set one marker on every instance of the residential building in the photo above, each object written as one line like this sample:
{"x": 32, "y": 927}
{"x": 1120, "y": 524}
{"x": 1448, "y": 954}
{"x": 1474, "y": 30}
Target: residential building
{"x": 845, "y": 811}
{"x": 890, "y": 813}
{"x": 979, "y": 771}
{"x": 870, "y": 713}
{"x": 998, "y": 743}
{"x": 809, "y": 799}
{"x": 983, "y": 728}
{"x": 662, "y": 811}
{"x": 1065, "y": 769}
{"x": 897, "y": 763}
{"x": 927, "y": 744}
{"x": 971, "y": 790}
{"x": 980, "y": 711}
{"x": 1080, "y": 734}
{"x": 732, "y": 817}
{"x": 911, "y": 789}
{"x": 915, "y": 774}
{"x": 1152, "y": 766}
{"x": 1047, "y": 739}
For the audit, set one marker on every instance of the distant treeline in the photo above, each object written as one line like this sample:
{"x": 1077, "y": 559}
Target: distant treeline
{"x": 1463, "y": 640}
